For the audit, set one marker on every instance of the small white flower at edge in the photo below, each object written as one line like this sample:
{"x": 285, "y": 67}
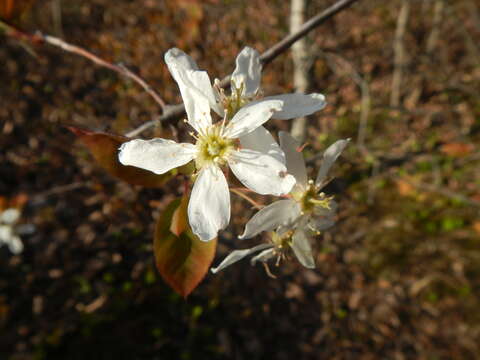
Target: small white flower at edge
{"x": 8, "y": 236}
{"x": 294, "y": 220}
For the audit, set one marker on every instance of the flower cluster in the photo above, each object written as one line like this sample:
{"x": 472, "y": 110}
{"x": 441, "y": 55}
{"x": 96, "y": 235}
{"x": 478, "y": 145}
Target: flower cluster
{"x": 239, "y": 142}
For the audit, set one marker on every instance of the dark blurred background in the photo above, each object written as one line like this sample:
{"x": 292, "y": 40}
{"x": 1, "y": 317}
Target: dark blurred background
{"x": 396, "y": 278}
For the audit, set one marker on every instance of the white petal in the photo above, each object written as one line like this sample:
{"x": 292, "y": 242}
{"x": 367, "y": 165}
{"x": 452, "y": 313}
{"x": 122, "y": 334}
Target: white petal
{"x": 197, "y": 104}
{"x": 261, "y": 140}
{"x": 261, "y": 173}
{"x": 15, "y": 245}
{"x": 248, "y": 71}
{"x": 6, "y": 233}
{"x": 209, "y": 205}
{"x": 298, "y": 105}
{"x": 280, "y": 213}
{"x": 200, "y": 81}
{"x": 10, "y": 216}
{"x": 329, "y": 157}
{"x": 264, "y": 256}
{"x": 176, "y": 57}
{"x": 302, "y": 248}
{"x": 250, "y": 117}
{"x": 180, "y": 63}
{"x": 156, "y": 155}
{"x": 237, "y": 255}
{"x": 295, "y": 161}
{"x": 321, "y": 223}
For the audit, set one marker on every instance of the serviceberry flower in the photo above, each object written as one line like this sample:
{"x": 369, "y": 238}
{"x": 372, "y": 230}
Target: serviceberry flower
{"x": 278, "y": 247}
{"x": 245, "y": 89}
{"x": 8, "y": 234}
{"x": 261, "y": 169}
{"x": 309, "y": 211}
{"x": 245, "y": 86}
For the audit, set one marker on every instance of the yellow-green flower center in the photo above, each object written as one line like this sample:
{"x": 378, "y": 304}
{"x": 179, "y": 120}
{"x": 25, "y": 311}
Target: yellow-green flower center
{"x": 310, "y": 198}
{"x": 213, "y": 147}
{"x": 282, "y": 242}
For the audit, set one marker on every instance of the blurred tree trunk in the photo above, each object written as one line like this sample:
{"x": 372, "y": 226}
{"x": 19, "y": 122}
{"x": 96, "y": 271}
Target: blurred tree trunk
{"x": 300, "y": 63}
{"x": 399, "y": 53}
{"x": 435, "y": 32}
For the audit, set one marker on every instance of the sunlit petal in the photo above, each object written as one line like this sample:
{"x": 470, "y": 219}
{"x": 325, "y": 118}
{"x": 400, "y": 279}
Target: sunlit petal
{"x": 261, "y": 140}
{"x": 180, "y": 60}
{"x": 180, "y": 63}
{"x": 297, "y": 105}
{"x": 156, "y": 155}
{"x": 209, "y": 205}
{"x": 260, "y": 172}
{"x": 248, "y": 71}
{"x": 250, "y": 117}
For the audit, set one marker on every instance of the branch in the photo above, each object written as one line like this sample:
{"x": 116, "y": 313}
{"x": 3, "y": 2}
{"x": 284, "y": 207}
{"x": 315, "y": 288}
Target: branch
{"x": 39, "y": 38}
{"x": 311, "y": 24}
{"x": 175, "y": 111}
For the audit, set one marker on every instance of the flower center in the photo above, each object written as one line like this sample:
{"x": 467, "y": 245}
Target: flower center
{"x": 282, "y": 242}
{"x": 311, "y": 198}
{"x": 213, "y": 147}
{"x": 231, "y": 104}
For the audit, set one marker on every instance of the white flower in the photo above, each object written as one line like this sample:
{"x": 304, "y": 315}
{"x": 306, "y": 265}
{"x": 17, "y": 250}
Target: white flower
{"x": 278, "y": 248}
{"x": 245, "y": 87}
{"x": 8, "y": 236}
{"x": 261, "y": 168}
{"x": 293, "y": 220}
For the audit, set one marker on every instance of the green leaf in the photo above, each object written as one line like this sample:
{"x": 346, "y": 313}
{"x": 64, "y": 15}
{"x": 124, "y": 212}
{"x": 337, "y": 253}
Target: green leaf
{"x": 181, "y": 257}
{"x": 104, "y": 148}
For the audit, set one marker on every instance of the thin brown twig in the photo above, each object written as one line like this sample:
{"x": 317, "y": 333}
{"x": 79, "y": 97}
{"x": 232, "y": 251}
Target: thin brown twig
{"x": 246, "y": 197}
{"x": 174, "y": 111}
{"x": 121, "y": 69}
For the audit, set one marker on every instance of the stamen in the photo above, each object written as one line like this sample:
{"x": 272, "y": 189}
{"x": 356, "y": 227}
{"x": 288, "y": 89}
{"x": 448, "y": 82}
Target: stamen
{"x": 222, "y": 125}
{"x": 267, "y": 270}
{"x": 192, "y": 134}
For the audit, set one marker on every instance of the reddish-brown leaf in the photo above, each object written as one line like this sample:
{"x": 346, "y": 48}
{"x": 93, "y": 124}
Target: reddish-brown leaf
{"x": 181, "y": 257}
{"x": 104, "y": 148}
